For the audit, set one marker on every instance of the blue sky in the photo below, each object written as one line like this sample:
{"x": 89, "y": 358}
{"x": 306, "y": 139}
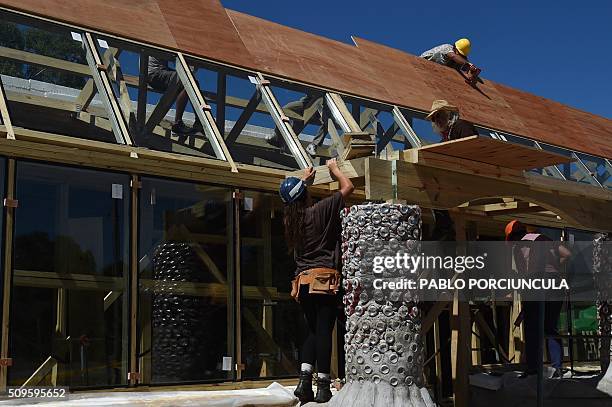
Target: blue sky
{"x": 561, "y": 50}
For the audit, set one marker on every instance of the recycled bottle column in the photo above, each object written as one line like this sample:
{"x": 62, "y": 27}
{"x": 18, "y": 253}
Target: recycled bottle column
{"x": 602, "y": 271}
{"x": 383, "y": 343}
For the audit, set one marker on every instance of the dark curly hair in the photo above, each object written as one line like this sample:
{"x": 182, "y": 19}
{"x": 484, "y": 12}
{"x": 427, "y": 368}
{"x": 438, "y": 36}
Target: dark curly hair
{"x": 293, "y": 220}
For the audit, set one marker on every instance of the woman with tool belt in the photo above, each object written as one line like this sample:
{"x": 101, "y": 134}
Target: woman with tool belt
{"x": 312, "y": 231}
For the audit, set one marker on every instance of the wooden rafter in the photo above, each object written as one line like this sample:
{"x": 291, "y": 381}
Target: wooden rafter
{"x": 243, "y": 119}
{"x": 4, "y": 114}
{"x": 163, "y": 106}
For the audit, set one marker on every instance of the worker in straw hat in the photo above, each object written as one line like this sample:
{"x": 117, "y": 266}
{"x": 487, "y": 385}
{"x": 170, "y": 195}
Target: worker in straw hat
{"x": 445, "y": 121}
{"x": 454, "y": 56}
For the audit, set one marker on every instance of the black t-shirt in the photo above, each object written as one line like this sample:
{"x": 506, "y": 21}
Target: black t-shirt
{"x": 321, "y": 239}
{"x": 461, "y": 129}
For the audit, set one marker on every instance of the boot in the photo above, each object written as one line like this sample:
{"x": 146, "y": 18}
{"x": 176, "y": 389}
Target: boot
{"x": 303, "y": 391}
{"x": 323, "y": 390}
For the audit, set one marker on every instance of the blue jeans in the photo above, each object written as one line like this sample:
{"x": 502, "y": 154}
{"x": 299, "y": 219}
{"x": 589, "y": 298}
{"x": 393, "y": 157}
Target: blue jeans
{"x": 533, "y": 337}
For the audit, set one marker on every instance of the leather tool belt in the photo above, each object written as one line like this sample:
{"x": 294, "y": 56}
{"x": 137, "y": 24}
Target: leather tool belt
{"x": 319, "y": 280}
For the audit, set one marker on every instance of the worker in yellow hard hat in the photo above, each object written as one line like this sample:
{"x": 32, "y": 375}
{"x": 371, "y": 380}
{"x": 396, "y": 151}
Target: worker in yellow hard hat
{"x": 455, "y": 56}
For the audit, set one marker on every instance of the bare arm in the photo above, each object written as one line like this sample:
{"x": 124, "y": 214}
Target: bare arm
{"x": 309, "y": 175}
{"x": 458, "y": 59}
{"x": 564, "y": 254}
{"x": 346, "y": 186}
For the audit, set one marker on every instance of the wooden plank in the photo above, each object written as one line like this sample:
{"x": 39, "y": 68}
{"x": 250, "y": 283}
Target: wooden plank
{"x": 162, "y": 107}
{"x": 203, "y": 112}
{"x": 305, "y": 57}
{"x": 7, "y": 267}
{"x": 192, "y": 21}
{"x": 243, "y": 118}
{"x": 116, "y": 75}
{"x": 443, "y": 189}
{"x": 4, "y": 114}
{"x": 438, "y": 358}
{"x": 486, "y": 330}
{"x": 237, "y": 280}
{"x": 351, "y": 168}
{"x": 133, "y": 276}
{"x": 497, "y": 152}
{"x": 41, "y": 372}
{"x": 141, "y": 108}
{"x": 86, "y": 95}
{"x": 89, "y": 90}
{"x": 433, "y": 314}
{"x": 43, "y": 60}
{"x": 476, "y": 343}
{"x": 105, "y": 90}
{"x": 461, "y": 332}
{"x": 369, "y": 70}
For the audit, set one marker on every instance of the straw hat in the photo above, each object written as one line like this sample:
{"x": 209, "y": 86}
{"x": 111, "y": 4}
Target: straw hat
{"x": 439, "y": 105}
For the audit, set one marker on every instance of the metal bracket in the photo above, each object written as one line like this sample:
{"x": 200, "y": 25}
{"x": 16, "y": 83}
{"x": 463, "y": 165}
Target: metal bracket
{"x": 11, "y": 203}
{"x": 134, "y": 376}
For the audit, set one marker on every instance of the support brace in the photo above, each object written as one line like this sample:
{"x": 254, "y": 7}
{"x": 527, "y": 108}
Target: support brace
{"x": 282, "y": 122}
{"x": 6, "y": 119}
{"x": 203, "y": 112}
{"x": 405, "y": 127}
{"x": 120, "y": 129}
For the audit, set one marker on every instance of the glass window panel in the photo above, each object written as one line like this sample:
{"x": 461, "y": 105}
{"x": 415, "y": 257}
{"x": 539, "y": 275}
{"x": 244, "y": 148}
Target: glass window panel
{"x": 185, "y": 258}
{"x": 250, "y": 133}
{"x": 272, "y": 327}
{"x": 2, "y": 196}
{"x": 70, "y": 278}
{"x": 162, "y": 133}
{"x": 44, "y": 71}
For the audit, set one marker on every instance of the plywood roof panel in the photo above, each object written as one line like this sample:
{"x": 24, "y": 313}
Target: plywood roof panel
{"x": 140, "y": 19}
{"x": 307, "y": 57}
{"x": 204, "y": 28}
{"x": 403, "y": 81}
{"x": 496, "y": 152}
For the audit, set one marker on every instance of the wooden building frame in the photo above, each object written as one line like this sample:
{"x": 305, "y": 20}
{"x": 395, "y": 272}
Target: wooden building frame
{"x": 472, "y": 188}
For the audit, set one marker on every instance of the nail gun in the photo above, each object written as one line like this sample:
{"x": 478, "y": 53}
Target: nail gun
{"x": 472, "y": 72}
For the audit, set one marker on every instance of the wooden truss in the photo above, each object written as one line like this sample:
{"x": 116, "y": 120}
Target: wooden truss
{"x": 478, "y": 179}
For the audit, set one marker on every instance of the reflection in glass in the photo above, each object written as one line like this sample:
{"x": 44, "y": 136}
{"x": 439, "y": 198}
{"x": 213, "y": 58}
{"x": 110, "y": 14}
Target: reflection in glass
{"x": 47, "y": 79}
{"x": 184, "y": 253}
{"x": 272, "y": 325}
{"x": 69, "y": 302}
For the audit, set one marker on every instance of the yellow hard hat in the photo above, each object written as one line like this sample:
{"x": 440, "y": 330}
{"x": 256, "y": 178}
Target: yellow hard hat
{"x": 463, "y": 46}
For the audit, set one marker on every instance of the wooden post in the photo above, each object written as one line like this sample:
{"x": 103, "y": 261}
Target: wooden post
{"x": 237, "y": 286}
{"x": 476, "y": 350}
{"x": 516, "y": 336}
{"x": 133, "y": 298}
{"x": 141, "y": 108}
{"x": 267, "y": 369}
{"x": 8, "y": 271}
{"x": 438, "y": 357}
{"x": 460, "y": 336}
